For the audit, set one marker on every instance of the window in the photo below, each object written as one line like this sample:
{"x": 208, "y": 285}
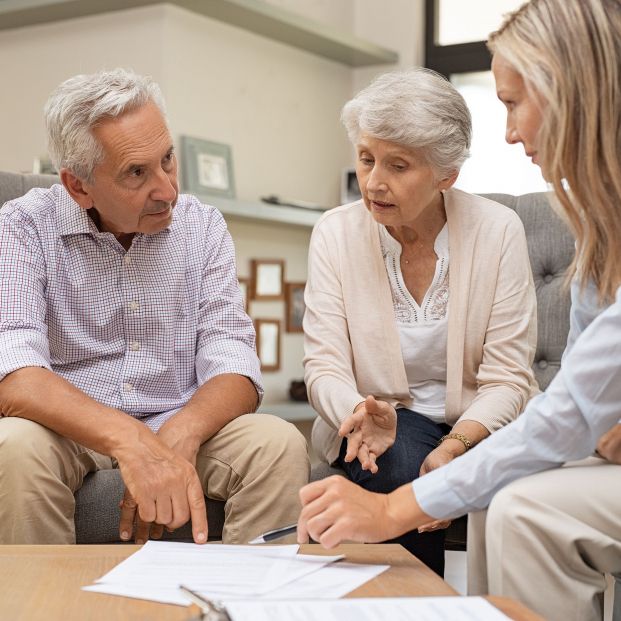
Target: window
{"x": 455, "y": 47}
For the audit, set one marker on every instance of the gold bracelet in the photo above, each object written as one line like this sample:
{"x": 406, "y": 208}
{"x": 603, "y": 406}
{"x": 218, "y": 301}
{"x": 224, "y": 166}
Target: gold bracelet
{"x": 457, "y": 436}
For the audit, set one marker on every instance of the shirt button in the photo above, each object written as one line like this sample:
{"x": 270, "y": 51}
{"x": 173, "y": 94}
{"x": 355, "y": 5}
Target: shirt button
{"x": 134, "y": 346}
{"x": 134, "y": 306}
{"x": 127, "y": 259}
{"x": 127, "y": 387}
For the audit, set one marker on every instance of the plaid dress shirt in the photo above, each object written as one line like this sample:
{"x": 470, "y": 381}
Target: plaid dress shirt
{"x": 137, "y": 330}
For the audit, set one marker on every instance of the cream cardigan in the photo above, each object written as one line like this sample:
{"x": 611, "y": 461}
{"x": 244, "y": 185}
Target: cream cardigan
{"x": 351, "y": 341}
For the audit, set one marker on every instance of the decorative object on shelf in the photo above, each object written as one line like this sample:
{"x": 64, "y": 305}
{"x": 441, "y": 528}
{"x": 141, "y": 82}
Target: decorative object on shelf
{"x": 42, "y": 165}
{"x": 267, "y": 279}
{"x": 272, "y": 199}
{"x": 297, "y": 391}
{"x": 295, "y": 307}
{"x": 244, "y": 287}
{"x": 268, "y": 343}
{"x": 207, "y": 167}
{"x": 350, "y": 190}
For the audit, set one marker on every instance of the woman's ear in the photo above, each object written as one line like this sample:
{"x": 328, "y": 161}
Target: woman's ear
{"x": 445, "y": 184}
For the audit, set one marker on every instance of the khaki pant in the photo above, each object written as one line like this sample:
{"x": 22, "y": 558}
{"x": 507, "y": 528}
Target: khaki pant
{"x": 256, "y": 463}
{"x": 548, "y": 539}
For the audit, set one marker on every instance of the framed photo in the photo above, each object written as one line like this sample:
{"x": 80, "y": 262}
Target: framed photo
{"x": 294, "y": 296}
{"x": 207, "y": 167}
{"x": 350, "y": 190}
{"x": 268, "y": 343}
{"x": 267, "y": 279}
{"x": 244, "y": 287}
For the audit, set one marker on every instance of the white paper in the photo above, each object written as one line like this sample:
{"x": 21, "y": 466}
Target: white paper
{"x": 330, "y": 582}
{"x": 396, "y": 609}
{"x": 226, "y": 572}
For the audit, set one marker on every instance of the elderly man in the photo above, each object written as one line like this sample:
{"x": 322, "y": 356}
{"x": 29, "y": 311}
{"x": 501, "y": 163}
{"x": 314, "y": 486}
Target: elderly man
{"x": 123, "y": 338}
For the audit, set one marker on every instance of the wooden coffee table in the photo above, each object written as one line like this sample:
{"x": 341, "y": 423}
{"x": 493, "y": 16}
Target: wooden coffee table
{"x": 43, "y": 582}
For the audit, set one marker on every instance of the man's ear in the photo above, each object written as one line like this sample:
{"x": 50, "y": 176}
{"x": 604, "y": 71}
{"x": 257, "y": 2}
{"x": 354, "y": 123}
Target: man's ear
{"x": 447, "y": 183}
{"x": 76, "y": 189}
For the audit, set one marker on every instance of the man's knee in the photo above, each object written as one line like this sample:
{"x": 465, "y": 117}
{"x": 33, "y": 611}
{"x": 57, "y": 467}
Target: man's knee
{"x": 279, "y": 442}
{"x": 22, "y": 441}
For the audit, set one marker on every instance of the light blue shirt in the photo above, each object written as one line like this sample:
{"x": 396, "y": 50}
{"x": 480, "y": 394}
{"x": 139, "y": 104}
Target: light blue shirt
{"x": 562, "y": 424}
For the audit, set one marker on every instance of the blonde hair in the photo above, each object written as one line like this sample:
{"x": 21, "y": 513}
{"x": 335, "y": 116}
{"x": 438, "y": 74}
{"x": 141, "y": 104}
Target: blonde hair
{"x": 567, "y": 52}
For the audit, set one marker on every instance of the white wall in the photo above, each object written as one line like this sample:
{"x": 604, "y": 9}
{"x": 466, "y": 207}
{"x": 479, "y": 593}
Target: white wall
{"x": 277, "y": 106}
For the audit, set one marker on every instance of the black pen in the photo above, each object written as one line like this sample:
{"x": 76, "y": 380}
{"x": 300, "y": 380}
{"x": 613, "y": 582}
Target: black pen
{"x": 275, "y": 534}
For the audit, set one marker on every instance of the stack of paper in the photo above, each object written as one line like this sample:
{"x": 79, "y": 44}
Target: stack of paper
{"x": 220, "y": 572}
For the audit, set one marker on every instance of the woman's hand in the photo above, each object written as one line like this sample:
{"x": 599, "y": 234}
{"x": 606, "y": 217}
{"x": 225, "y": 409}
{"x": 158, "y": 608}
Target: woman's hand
{"x": 370, "y": 432}
{"x": 440, "y": 456}
{"x": 335, "y": 509}
{"x": 609, "y": 445}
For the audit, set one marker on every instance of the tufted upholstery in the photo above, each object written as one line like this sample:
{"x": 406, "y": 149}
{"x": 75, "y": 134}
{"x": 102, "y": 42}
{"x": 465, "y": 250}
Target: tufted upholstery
{"x": 551, "y": 249}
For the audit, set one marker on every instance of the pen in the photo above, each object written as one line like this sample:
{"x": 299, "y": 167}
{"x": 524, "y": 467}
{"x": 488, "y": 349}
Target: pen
{"x": 209, "y": 609}
{"x": 275, "y": 534}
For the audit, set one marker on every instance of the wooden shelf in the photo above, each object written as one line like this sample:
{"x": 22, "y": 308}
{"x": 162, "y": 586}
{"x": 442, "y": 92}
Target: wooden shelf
{"x": 262, "y": 212}
{"x": 290, "y": 410}
{"x": 253, "y": 15}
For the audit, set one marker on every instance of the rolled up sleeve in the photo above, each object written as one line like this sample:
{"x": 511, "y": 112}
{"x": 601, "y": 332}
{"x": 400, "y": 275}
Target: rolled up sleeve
{"x": 23, "y": 331}
{"x": 226, "y": 336}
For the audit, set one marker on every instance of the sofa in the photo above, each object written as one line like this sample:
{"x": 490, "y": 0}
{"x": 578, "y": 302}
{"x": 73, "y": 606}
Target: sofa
{"x": 550, "y": 249}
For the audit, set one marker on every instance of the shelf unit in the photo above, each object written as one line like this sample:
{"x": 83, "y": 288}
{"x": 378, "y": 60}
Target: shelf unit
{"x": 253, "y": 15}
{"x": 262, "y": 212}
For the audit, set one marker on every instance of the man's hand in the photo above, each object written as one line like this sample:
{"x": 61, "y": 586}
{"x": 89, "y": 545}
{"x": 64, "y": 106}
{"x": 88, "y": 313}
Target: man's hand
{"x": 370, "y": 432}
{"x": 335, "y": 509}
{"x": 609, "y": 445}
{"x": 161, "y": 488}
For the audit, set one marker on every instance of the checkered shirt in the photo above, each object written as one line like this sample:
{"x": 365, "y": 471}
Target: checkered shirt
{"x": 137, "y": 330}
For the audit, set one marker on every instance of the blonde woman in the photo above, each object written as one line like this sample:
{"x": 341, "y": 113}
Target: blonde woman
{"x": 552, "y": 529}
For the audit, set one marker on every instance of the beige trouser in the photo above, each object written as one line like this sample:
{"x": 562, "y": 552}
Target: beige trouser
{"x": 256, "y": 463}
{"x": 548, "y": 539}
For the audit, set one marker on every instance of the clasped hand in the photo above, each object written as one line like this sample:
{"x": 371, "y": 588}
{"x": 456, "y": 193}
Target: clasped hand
{"x": 371, "y": 430}
{"x": 162, "y": 489}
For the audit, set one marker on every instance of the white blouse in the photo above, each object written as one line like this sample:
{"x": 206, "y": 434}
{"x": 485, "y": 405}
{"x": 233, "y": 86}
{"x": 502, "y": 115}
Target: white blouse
{"x": 422, "y": 329}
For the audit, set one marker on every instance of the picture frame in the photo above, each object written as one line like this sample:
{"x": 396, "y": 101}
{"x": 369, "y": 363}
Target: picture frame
{"x": 268, "y": 343}
{"x": 267, "y": 279}
{"x": 244, "y": 287}
{"x": 295, "y": 307}
{"x": 350, "y": 190}
{"x": 207, "y": 167}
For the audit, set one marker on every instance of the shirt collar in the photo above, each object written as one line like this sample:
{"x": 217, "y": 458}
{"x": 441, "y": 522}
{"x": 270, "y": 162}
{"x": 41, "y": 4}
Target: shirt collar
{"x": 71, "y": 218}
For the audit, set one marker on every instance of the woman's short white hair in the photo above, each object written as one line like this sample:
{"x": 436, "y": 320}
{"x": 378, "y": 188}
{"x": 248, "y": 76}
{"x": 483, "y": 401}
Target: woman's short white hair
{"x": 418, "y": 109}
{"x": 79, "y": 103}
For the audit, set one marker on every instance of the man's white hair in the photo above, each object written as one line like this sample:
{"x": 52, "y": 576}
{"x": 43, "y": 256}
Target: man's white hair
{"x": 79, "y": 103}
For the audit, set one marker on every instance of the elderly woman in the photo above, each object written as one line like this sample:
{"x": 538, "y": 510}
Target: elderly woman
{"x": 420, "y": 324}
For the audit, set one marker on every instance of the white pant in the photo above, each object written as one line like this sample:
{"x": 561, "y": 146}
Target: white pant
{"x": 548, "y": 539}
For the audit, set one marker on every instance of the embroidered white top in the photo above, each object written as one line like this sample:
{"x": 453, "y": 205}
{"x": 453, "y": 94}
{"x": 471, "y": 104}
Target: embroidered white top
{"x": 422, "y": 328}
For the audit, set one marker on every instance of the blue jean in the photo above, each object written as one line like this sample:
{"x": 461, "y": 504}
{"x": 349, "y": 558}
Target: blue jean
{"x": 417, "y": 436}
